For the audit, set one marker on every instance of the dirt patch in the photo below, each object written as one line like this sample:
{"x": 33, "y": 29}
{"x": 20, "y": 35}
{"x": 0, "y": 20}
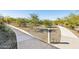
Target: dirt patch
{"x": 55, "y": 34}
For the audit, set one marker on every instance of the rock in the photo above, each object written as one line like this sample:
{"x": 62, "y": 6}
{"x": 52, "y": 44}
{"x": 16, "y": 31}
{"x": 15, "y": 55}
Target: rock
{"x": 7, "y": 38}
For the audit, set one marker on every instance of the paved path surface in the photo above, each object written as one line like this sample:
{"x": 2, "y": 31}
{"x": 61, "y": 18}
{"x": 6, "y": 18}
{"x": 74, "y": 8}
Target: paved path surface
{"x": 28, "y": 42}
{"x": 68, "y": 39}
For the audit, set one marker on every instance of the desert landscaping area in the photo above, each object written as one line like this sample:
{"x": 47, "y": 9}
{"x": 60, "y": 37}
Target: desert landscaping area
{"x": 33, "y": 32}
{"x": 43, "y": 35}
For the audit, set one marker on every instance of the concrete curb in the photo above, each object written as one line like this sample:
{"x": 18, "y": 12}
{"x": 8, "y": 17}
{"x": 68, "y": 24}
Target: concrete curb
{"x": 22, "y": 31}
{"x": 28, "y": 33}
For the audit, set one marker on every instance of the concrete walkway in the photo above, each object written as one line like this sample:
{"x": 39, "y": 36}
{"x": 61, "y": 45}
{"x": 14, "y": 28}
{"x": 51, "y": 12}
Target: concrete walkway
{"x": 68, "y": 39}
{"x": 25, "y": 41}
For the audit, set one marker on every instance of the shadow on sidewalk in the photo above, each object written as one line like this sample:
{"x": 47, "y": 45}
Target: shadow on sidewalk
{"x": 59, "y": 42}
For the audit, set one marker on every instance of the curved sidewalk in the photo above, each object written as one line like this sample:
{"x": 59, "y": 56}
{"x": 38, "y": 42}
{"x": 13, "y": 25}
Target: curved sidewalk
{"x": 26, "y": 41}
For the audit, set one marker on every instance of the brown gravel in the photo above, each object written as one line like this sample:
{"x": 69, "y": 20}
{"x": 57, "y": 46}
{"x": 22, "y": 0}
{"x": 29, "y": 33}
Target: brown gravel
{"x": 55, "y": 34}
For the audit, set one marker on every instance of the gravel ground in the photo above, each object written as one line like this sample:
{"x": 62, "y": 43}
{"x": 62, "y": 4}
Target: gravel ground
{"x": 55, "y": 34}
{"x": 25, "y": 41}
{"x": 7, "y": 39}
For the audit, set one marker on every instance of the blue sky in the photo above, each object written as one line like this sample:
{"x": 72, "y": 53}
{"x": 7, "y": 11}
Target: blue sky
{"x": 43, "y": 14}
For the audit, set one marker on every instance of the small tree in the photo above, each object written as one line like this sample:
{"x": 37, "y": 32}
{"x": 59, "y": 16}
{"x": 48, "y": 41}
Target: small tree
{"x": 34, "y": 21}
{"x": 21, "y": 22}
{"x": 1, "y": 19}
{"x": 8, "y": 19}
{"x": 47, "y": 23}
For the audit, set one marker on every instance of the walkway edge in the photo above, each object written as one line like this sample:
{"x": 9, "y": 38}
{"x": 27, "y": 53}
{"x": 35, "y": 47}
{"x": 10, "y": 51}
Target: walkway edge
{"x": 28, "y": 33}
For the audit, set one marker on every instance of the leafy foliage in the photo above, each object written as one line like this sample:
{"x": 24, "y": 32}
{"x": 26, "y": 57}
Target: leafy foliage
{"x": 47, "y": 23}
{"x": 70, "y": 21}
{"x": 21, "y": 22}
